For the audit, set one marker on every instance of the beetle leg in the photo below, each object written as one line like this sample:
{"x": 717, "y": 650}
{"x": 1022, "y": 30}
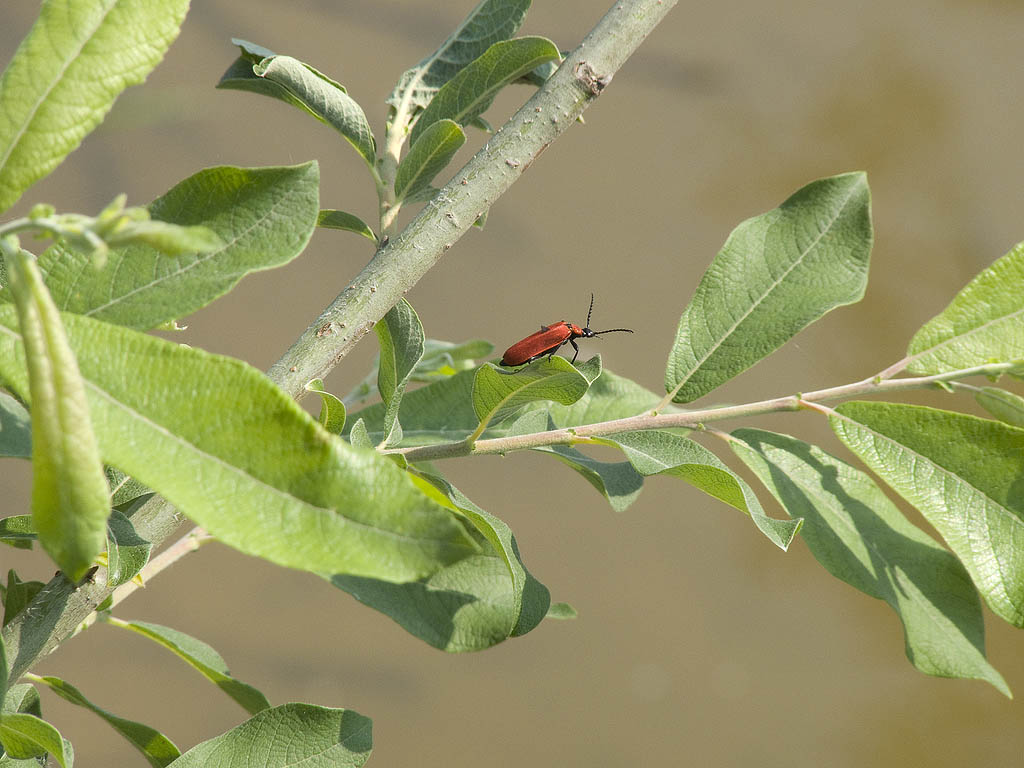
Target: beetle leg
{"x": 573, "y": 342}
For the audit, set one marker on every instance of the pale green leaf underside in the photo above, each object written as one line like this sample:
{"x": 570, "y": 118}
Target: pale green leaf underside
{"x": 617, "y": 481}
{"x": 242, "y": 459}
{"x": 25, "y": 736}
{"x": 471, "y": 91}
{"x": 860, "y": 537}
{"x": 489, "y": 22}
{"x": 334, "y": 219}
{"x": 427, "y": 157}
{"x": 156, "y": 748}
{"x": 1005, "y": 406}
{"x": 776, "y": 274}
{"x": 401, "y": 338}
{"x": 288, "y": 736}
{"x": 498, "y": 393}
{"x": 127, "y": 552}
{"x": 264, "y": 216}
{"x": 203, "y": 658}
{"x": 984, "y": 323}
{"x": 66, "y": 74}
{"x": 323, "y": 98}
{"x": 655, "y": 452}
{"x": 70, "y": 499}
{"x": 332, "y": 410}
{"x": 963, "y": 473}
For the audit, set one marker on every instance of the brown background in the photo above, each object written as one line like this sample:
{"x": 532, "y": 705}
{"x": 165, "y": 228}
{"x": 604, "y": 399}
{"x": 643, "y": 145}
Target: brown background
{"x": 698, "y": 642}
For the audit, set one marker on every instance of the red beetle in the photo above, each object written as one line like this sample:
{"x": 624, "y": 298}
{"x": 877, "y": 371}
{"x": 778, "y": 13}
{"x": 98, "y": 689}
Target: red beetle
{"x": 550, "y": 338}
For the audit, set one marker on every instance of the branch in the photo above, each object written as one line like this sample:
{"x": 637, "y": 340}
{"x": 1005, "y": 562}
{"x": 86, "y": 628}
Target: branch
{"x": 57, "y": 611}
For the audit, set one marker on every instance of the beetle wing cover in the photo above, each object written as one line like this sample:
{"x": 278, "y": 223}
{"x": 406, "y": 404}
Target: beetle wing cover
{"x": 539, "y": 343}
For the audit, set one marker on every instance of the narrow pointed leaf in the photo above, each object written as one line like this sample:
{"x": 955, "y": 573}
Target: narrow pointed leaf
{"x": 65, "y": 76}
{"x": 1005, "y": 406}
{"x": 859, "y": 536}
{"x": 469, "y": 93}
{"x": 963, "y": 474}
{"x": 358, "y": 437}
{"x": 127, "y": 552}
{"x": 664, "y": 453}
{"x": 287, "y": 736}
{"x": 401, "y": 338}
{"x": 202, "y": 658}
{"x": 264, "y": 217}
{"x": 428, "y": 156}
{"x": 158, "y": 750}
{"x": 498, "y": 393}
{"x": 984, "y": 323}
{"x": 70, "y": 503}
{"x": 323, "y": 98}
{"x": 245, "y": 461}
{"x": 776, "y": 274}
{"x": 332, "y": 410}
{"x": 332, "y": 219}
{"x": 15, "y": 429}
{"x": 25, "y": 736}
{"x": 489, "y": 22}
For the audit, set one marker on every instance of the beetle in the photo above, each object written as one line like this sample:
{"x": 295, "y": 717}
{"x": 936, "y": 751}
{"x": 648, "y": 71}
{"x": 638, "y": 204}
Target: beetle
{"x": 550, "y": 338}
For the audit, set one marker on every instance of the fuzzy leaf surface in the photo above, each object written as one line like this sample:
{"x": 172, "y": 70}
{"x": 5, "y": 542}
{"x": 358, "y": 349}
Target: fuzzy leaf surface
{"x": 964, "y": 475}
{"x": 467, "y": 95}
{"x": 15, "y": 429}
{"x": 66, "y": 74}
{"x": 264, "y": 216}
{"x": 242, "y": 459}
{"x": 776, "y": 274}
{"x": 859, "y": 536}
{"x": 428, "y": 156}
{"x": 984, "y": 323}
{"x": 489, "y": 22}
{"x": 288, "y": 736}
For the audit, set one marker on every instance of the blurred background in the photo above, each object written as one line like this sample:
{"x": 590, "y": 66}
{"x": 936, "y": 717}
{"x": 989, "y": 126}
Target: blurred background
{"x": 698, "y": 642}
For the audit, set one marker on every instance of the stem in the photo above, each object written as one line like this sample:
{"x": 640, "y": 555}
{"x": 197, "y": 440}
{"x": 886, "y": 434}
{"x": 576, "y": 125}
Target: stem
{"x": 692, "y": 419}
{"x": 61, "y": 606}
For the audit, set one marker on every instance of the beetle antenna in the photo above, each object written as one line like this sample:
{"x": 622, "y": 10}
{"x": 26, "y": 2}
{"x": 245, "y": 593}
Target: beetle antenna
{"x": 614, "y": 330}
{"x": 590, "y": 310}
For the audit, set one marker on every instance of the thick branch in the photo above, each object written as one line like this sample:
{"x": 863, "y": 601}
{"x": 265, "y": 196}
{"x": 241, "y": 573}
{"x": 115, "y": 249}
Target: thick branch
{"x": 58, "y": 610}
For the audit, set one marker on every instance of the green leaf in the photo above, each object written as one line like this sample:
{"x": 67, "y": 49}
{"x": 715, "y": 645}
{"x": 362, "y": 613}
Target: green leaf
{"x": 489, "y": 22}
{"x": 124, "y": 488}
{"x": 265, "y": 217}
{"x": 617, "y": 481}
{"x": 3, "y": 657}
{"x": 358, "y": 436}
{"x": 984, "y": 323}
{"x": 332, "y": 219}
{"x": 561, "y": 611}
{"x": 200, "y": 657}
{"x": 469, "y": 93}
{"x": 428, "y": 156}
{"x": 860, "y": 537}
{"x": 21, "y": 698}
{"x": 963, "y": 473}
{"x": 15, "y": 429}
{"x": 1004, "y": 405}
{"x": 66, "y": 75}
{"x": 302, "y": 86}
{"x": 127, "y": 552}
{"x": 70, "y": 503}
{"x": 663, "y": 453}
{"x": 332, "y": 410}
{"x": 400, "y": 334}
{"x": 17, "y": 595}
{"x": 25, "y": 736}
{"x": 273, "y": 483}
{"x": 168, "y": 239}
{"x": 442, "y": 359}
{"x": 287, "y": 736}
{"x": 18, "y": 531}
{"x": 471, "y": 605}
{"x": 158, "y": 750}
{"x": 498, "y": 393}
{"x": 776, "y": 274}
